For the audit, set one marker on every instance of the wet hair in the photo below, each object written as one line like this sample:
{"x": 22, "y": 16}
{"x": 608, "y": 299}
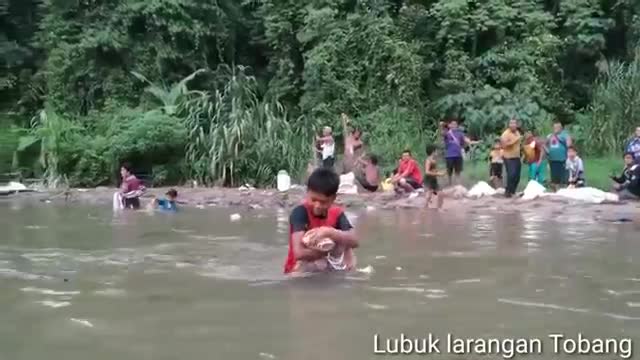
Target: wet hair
{"x": 323, "y": 181}
{"x": 127, "y": 166}
{"x": 373, "y": 159}
{"x": 572, "y": 148}
{"x": 172, "y": 193}
{"x": 406, "y": 151}
{"x": 430, "y": 149}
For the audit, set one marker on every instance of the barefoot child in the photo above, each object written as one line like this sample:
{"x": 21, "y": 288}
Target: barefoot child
{"x": 575, "y": 167}
{"x": 431, "y": 174}
{"x": 495, "y": 165}
{"x": 314, "y": 222}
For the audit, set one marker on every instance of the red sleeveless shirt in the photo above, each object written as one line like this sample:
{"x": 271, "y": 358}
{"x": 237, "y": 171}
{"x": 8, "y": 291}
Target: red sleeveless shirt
{"x": 333, "y": 214}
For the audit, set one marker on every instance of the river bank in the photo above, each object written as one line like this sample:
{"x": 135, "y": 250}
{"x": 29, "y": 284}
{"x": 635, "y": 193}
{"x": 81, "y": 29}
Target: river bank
{"x": 249, "y": 198}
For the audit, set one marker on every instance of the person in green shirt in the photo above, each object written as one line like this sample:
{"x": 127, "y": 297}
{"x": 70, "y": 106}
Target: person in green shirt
{"x": 558, "y": 144}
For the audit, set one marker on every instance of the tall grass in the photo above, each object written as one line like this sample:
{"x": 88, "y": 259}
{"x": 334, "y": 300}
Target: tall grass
{"x": 58, "y": 139}
{"x": 615, "y": 110}
{"x": 236, "y": 138}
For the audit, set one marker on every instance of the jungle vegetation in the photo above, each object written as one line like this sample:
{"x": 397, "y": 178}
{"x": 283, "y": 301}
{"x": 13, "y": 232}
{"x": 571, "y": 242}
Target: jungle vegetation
{"x": 230, "y": 91}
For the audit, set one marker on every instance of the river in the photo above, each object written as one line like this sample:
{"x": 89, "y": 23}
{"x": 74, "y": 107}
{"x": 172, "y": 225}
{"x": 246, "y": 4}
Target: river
{"x": 82, "y": 283}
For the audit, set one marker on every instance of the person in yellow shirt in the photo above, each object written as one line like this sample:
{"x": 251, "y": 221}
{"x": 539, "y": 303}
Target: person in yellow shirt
{"x": 511, "y": 140}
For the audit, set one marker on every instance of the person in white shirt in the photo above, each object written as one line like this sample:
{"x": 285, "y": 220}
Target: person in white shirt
{"x": 327, "y": 147}
{"x": 575, "y": 167}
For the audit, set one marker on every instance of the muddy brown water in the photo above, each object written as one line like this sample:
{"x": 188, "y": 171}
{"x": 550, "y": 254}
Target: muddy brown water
{"x": 79, "y": 282}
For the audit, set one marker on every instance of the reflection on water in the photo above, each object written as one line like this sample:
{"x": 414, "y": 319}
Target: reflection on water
{"x": 78, "y": 282}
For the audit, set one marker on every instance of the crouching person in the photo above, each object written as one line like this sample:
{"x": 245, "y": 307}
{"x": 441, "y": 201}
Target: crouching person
{"x": 627, "y": 185}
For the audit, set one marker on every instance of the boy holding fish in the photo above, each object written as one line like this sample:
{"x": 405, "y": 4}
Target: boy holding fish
{"x": 321, "y": 238}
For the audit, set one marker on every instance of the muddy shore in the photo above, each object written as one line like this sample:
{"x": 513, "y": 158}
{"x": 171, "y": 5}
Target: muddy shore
{"x": 271, "y": 199}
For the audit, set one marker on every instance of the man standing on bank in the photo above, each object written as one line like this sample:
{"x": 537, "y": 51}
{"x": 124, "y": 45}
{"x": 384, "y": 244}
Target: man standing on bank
{"x": 558, "y": 144}
{"x": 454, "y": 142}
{"x": 511, "y": 139}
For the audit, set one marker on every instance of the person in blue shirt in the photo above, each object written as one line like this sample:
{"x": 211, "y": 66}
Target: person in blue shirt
{"x": 557, "y": 148}
{"x": 166, "y": 204}
{"x": 633, "y": 146}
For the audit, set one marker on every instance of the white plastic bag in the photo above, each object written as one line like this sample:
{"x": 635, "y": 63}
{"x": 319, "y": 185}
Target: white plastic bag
{"x": 533, "y": 190}
{"x": 117, "y": 202}
{"x": 588, "y": 195}
{"x": 481, "y": 189}
{"x": 347, "y": 184}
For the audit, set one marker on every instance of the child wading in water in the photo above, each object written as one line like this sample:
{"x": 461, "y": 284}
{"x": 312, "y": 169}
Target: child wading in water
{"x": 495, "y": 165}
{"x": 320, "y": 235}
{"x": 167, "y": 204}
{"x": 431, "y": 174}
{"x": 575, "y": 166}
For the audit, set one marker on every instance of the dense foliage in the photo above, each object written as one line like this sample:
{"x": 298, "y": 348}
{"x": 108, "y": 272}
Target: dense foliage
{"x": 232, "y": 91}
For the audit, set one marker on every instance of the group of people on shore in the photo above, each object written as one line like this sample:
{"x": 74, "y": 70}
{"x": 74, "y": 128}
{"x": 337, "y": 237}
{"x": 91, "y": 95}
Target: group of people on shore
{"x": 321, "y": 237}
{"x": 514, "y": 148}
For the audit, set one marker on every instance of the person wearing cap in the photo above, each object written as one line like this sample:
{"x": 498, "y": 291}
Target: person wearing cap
{"x": 166, "y": 204}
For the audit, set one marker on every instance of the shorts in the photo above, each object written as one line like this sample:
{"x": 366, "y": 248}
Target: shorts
{"x": 431, "y": 184}
{"x": 414, "y": 184}
{"x": 132, "y": 203}
{"x": 558, "y": 172}
{"x": 454, "y": 164}
{"x": 365, "y": 184}
{"x": 495, "y": 169}
{"x": 328, "y": 162}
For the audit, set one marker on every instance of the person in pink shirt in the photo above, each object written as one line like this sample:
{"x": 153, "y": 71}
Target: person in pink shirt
{"x": 131, "y": 188}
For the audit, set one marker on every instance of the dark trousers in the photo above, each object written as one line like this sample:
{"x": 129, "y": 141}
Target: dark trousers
{"x": 329, "y": 162}
{"x": 513, "y": 168}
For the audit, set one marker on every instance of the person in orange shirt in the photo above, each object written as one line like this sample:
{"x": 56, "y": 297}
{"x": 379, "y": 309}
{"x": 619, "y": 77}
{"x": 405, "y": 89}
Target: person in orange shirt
{"x": 534, "y": 157}
{"x": 409, "y": 177}
{"x": 511, "y": 140}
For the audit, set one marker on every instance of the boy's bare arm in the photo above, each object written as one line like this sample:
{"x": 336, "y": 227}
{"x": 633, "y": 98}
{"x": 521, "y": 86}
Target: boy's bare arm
{"x": 346, "y": 238}
{"x": 300, "y": 251}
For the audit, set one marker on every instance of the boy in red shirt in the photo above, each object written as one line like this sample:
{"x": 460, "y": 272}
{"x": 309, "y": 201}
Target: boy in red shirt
{"x": 314, "y": 222}
{"x": 409, "y": 177}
